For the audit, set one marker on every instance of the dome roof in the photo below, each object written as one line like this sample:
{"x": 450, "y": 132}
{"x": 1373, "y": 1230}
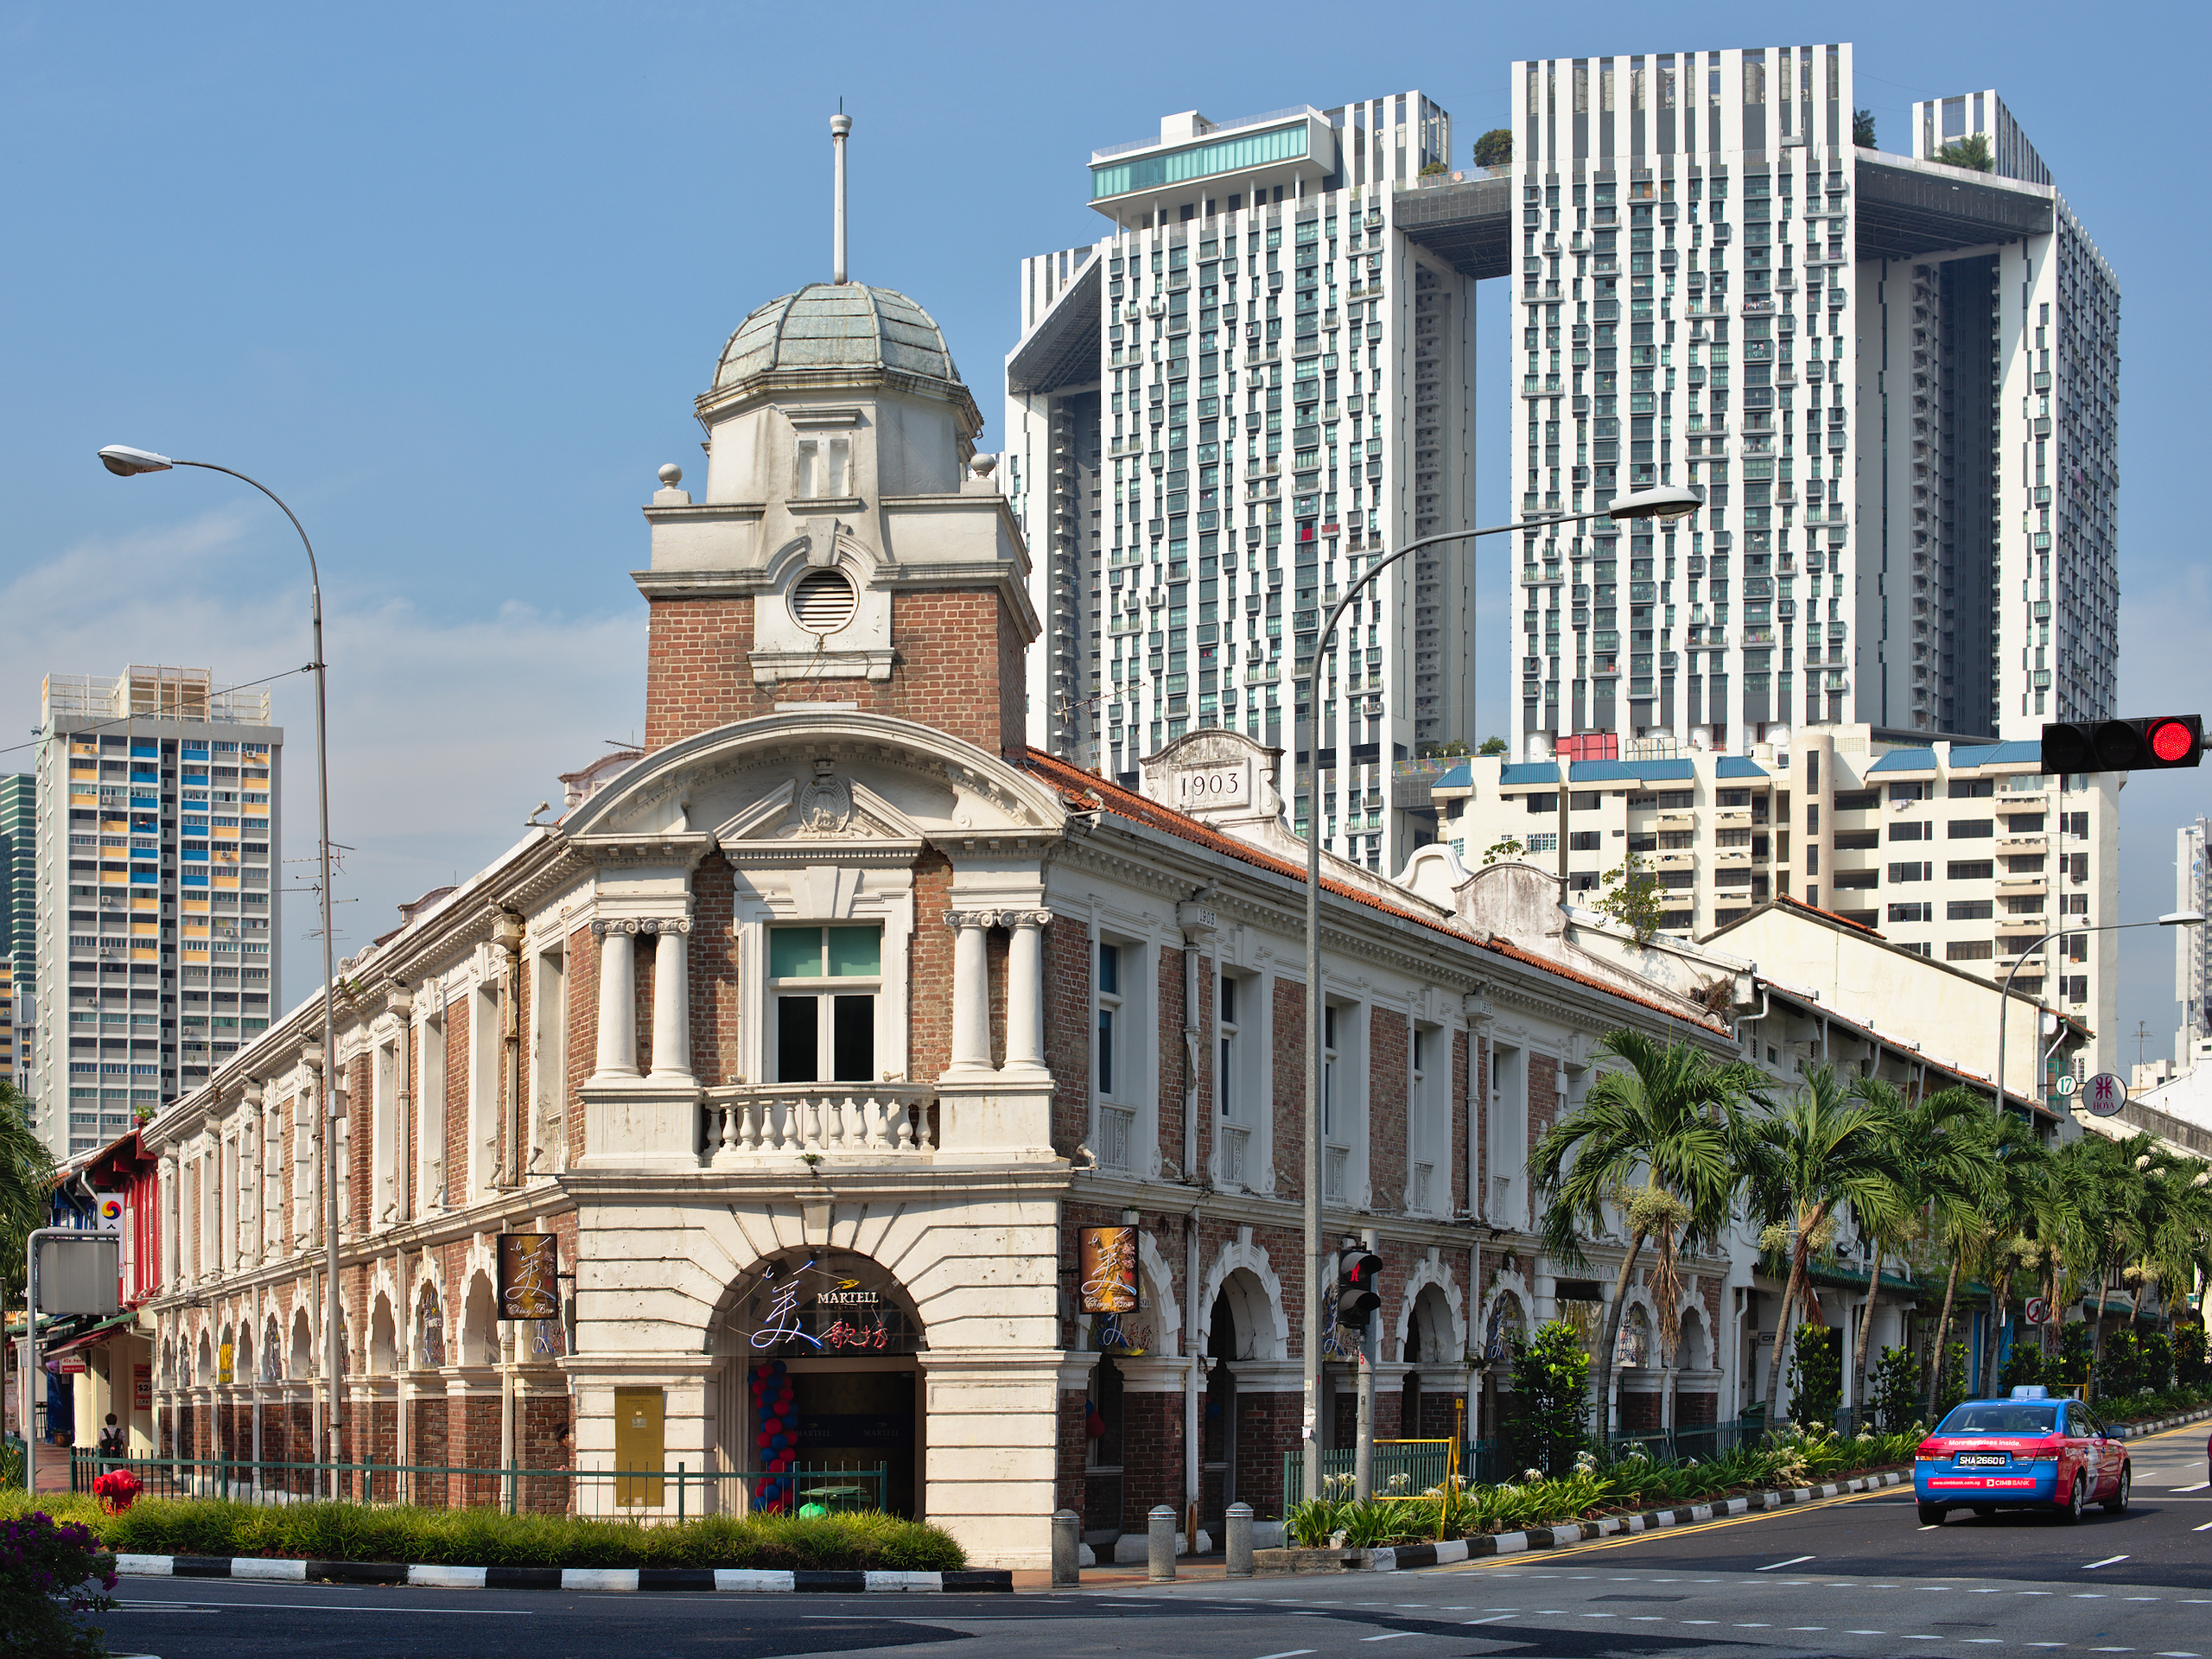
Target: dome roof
{"x": 837, "y": 326}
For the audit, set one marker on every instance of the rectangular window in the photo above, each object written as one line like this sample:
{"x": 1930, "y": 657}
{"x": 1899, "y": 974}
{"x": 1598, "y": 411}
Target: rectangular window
{"x": 824, "y": 468}
{"x": 823, "y": 982}
{"x": 1109, "y": 1008}
{"x": 1971, "y": 869}
{"x": 1968, "y": 910}
{"x": 1968, "y": 950}
{"x": 1972, "y": 828}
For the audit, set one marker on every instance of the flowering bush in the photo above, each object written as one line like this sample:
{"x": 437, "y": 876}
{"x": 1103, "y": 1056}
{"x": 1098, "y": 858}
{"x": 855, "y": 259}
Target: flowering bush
{"x": 116, "y": 1489}
{"x": 48, "y": 1579}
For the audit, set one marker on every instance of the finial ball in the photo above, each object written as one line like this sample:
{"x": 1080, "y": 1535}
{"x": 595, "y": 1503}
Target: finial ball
{"x": 840, "y": 125}
{"x": 670, "y": 476}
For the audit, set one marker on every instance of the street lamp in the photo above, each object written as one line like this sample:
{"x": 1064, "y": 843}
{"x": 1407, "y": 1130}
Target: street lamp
{"x": 1666, "y": 501}
{"x": 127, "y": 462}
{"x": 2171, "y": 918}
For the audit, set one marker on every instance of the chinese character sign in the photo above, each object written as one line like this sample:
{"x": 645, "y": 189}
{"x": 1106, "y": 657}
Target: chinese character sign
{"x": 1106, "y": 1269}
{"x": 529, "y": 1266}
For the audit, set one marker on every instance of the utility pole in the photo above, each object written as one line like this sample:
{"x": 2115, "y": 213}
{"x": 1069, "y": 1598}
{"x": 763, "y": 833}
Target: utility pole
{"x": 1369, "y": 1340}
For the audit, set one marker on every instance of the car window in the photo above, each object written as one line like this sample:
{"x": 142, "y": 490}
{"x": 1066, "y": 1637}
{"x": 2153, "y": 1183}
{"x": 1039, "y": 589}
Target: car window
{"x": 2001, "y": 1417}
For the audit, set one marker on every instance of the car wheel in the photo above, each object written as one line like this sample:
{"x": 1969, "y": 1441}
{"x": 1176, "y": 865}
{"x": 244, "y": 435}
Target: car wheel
{"x": 1931, "y": 1515}
{"x": 2117, "y": 1503}
{"x": 2075, "y": 1497}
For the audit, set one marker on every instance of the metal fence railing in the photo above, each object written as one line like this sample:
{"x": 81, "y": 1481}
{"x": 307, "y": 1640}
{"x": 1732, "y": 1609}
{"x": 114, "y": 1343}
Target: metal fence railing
{"x": 1400, "y": 1469}
{"x": 674, "y": 1491}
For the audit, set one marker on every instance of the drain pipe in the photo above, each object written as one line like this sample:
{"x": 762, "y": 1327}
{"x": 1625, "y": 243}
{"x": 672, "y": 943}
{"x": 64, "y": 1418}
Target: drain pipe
{"x": 1194, "y": 1349}
{"x": 507, "y": 935}
{"x": 1196, "y": 918}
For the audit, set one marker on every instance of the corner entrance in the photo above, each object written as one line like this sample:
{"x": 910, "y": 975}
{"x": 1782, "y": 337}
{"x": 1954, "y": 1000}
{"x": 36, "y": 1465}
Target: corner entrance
{"x": 821, "y": 1402}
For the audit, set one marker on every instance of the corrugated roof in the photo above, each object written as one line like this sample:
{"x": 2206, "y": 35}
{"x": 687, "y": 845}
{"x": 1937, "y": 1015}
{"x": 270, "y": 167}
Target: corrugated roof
{"x": 1739, "y": 766}
{"x": 1598, "y": 771}
{"x": 1539, "y": 772}
{"x": 1088, "y": 791}
{"x": 1663, "y": 772}
{"x": 1905, "y": 761}
{"x": 1460, "y": 777}
{"x": 2027, "y": 751}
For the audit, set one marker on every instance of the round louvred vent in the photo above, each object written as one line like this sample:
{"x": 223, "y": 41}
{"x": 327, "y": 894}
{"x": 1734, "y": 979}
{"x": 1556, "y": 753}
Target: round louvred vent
{"x": 823, "y": 601}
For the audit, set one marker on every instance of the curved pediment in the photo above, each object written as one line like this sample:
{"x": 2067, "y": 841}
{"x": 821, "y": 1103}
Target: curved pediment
{"x": 830, "y": 776}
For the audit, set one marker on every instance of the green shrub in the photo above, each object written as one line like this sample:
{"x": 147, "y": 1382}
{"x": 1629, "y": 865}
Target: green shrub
{"x": 1551, "y": 1383}
{"x": 2023, "y": 1366}
{"x": 2191, "y": 1370}
{"x": 486, "y": 1537}
{"x": 1816, "y": 1380}
{"x": 1896, "y": 1390}
{"x": 51, "y": 1575}
{"x": 2156, "y": 1372}
{"x": 2119, "y": 1366}
{"x": 2075, "y": 1347}
{"x": 1951, "y": 1381}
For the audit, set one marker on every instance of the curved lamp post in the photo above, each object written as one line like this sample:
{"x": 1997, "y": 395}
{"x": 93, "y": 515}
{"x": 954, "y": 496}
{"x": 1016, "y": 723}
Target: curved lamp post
{"x": 127, "y": 462}
{"x": 1667, "y": 501}
{"x": 2171, "y": 918}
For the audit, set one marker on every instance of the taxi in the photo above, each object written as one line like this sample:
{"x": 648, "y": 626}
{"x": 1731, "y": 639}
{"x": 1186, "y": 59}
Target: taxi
{"x": 2030, "y": 1451}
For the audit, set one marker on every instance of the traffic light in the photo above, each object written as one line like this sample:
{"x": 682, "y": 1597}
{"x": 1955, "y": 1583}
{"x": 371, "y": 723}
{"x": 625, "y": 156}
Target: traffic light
{"x": 2157, "y": 744}
{"x": 1359, "y": 1281}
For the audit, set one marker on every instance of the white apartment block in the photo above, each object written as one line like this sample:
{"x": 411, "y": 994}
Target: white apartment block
{"x": 2192, "y": 945}
{"x": 1960, "y": 852}
{"x": 157, "y": 896}
{"x": 1892, "y": 377}
{"x": 1218, "y": 414}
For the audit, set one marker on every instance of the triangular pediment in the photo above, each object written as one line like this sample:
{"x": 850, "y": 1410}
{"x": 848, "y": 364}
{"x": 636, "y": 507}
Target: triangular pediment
{"x": 827, "y": 807}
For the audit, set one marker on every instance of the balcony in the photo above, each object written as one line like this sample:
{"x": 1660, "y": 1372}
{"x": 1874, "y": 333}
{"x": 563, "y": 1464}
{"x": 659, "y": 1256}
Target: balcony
{"x": 1674, "y": 861}
{"x": 1732, "y": 817}
{"x": 2022, "y": 884}
{"x": 1678, "y": 818}
{"x": 2034, "y": 843}
{"x": 874, "y": 1120}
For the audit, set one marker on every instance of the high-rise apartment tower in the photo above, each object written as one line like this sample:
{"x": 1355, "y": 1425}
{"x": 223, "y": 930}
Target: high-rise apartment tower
{"x": 1217, "y": 413}
{"x": 157, "y": 892}
{"x": 1892, "y": 375}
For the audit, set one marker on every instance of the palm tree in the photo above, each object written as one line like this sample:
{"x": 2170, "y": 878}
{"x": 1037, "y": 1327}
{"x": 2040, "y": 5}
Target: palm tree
{"x": 1985, "y": 1219}
{"x": 26, "y": 1185}
{"x": 2014, "y": 1199}
{"x": 1673, "y": 1116}
{"x": 1826, "y": 1147}
{"x": 1932, "y": 1143}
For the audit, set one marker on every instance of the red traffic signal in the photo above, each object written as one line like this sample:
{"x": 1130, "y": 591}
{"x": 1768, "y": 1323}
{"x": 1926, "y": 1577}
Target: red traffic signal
{"x": 2155, "y": 744}
{"x": 1359, "y": 1288}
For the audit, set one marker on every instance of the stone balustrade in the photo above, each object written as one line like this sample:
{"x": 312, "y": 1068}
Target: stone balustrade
{"x": 747, "y": 1121}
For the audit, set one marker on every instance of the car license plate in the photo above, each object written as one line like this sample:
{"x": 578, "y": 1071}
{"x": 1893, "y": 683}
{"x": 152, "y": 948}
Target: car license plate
{"x": 1984, "y": 1459}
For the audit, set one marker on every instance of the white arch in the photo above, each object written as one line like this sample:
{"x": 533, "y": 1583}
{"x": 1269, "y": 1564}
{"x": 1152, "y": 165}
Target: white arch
{"x": 1693, "y": 1308}
{"x": 1508, "y": 1283}
{"x": 1431, "y": 1271}
{"x": 1270, "y": 1324}
{"x": 1156, "y": 1272}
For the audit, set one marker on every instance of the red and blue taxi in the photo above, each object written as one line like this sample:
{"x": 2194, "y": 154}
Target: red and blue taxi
{"x": 2030, "y": 1451}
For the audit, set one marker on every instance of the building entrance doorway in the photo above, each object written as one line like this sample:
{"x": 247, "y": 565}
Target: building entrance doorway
{"x": 821, "y": 1403}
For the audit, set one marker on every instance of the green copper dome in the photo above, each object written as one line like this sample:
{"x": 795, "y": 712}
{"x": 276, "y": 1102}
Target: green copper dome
{"x": 837, "y": 326}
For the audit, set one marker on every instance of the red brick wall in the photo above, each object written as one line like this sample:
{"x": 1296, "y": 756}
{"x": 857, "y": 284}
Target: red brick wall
{"x": 1457, "y": 1175}
{"x": 1639, "y": 1413}
{"x": 929, "y": 969}
{"x": 583, "y": 1030}
{"x": 458, "y": 1012}
{"x": 1072, "y": 1453}
{"x": 543, "y": 1423}
{"x": 360, "y": 1145}
{"x": 645, "y": 953}
{"x": 1267, "y": 1426}
{"x": 713, "y": 969}
{"x": 1388, "y": 1095}
{"x": 1289, "y": 1030}
{"x": 1068, "y": 1025}
{"x": 285, "y": 1148}
{"x": 957, "y": 666}
{"x": 1151, "y": 1456}
{"x": 1170, "y": 978}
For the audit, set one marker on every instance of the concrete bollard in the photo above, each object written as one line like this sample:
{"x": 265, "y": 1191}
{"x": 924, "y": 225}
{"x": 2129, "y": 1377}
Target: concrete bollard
{"x": 1160, "y": 1543}
{"x": 1067, "y": 1538}
{"x": 1239, "y": 1529}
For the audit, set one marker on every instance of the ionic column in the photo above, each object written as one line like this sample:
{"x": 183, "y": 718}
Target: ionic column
{"x": 671, "y": 1003}
{"x": 971, "y": 990}
{"x": 618, "y": 1001}
{"x": 1025, "y": 991}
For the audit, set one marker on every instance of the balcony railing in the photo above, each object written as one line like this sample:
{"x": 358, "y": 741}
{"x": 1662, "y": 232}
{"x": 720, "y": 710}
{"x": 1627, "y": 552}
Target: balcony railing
{"x": 817, "y": 1119}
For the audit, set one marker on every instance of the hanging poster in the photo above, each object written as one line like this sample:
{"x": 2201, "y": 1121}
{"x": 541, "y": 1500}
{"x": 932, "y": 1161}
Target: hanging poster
{"x": 1107, "y": 1270}
{"x": 529, "y": 1266}
{"x": 830, "y": 1303}
{"x": 142, "y": 1388}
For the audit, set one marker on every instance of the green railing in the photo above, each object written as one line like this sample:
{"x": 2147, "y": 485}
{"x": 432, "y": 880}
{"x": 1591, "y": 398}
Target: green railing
{"x": 1400, "y": 1469}
{"x": 675, "y": 1491}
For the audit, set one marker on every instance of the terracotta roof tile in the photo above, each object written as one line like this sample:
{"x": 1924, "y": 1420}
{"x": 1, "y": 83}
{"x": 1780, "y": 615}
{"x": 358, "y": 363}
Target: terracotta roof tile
{"x": 1087, "y": 791}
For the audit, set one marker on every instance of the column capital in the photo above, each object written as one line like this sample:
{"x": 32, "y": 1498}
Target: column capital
{"x": 987, "y": 918}
{"x": 634, "y": 925}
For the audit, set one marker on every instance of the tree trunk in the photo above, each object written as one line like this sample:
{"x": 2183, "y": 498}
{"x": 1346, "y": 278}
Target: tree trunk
{"x": 1781, "y": 1329}
{"x": 2097, "y": 1330}
{"x": 1612, "y": 1337}
{"x": 1867, "y": 1336}
{"x": 1942, "y": 1332}
{"x": 2000, "y": 1299}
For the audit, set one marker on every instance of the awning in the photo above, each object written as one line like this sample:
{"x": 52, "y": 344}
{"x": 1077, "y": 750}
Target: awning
{"x": 87, "y": 1338}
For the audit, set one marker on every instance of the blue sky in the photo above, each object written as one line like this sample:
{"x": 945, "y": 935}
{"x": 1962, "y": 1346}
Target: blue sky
{"x": 447, "y": 278}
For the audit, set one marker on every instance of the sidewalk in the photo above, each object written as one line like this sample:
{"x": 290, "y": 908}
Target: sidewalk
{"x": 1215, "y": 1566}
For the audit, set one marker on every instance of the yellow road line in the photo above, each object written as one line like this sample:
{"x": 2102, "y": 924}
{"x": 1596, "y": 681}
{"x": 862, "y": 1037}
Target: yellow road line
{"x": 1653, "y": 1534}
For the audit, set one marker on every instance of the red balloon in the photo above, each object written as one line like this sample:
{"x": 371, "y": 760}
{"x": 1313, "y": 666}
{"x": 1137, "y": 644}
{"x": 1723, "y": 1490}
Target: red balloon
{"x": 761, "y": 1440}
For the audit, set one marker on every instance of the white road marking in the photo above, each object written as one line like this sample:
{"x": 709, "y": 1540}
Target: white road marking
{"x": 1492, "y": 1619}
{"x": 2199, "y": 1487}
{"x": 2107, "y": 1561}
{"x": 1792, "y": 1561}
{"x": 1866, "y": 1632}
{"x": 336, "y": 1606}
{"x": 1808, "y": 1627}
{"x": 1390, "y": 1635}
{"x": 2207, "y": 1526}
{"x": 1287, "y": 1653}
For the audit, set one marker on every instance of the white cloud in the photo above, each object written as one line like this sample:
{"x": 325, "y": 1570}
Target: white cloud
{"x": 445, "y": 730}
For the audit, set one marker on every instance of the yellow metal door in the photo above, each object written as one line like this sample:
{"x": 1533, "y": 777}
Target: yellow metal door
{"x": 639, "y": 1444}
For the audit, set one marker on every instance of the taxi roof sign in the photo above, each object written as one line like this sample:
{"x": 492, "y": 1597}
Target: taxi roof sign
{"x": 2031, "y": 1391}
